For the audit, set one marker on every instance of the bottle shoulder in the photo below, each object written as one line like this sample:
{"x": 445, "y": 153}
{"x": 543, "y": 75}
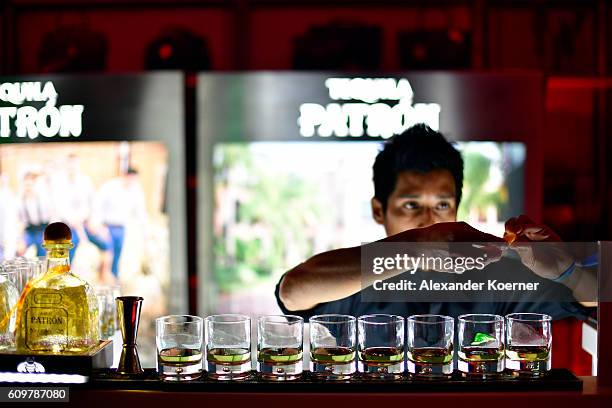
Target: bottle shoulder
{"x": 64, "y": 280}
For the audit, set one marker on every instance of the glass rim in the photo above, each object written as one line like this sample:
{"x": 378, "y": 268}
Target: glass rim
{"x": 16, "y": 259}
{"x": 342, "y": 318}
{"x": 493, "y": 318}
{"x": 108, "y": 290}
{"x": 14, "y": 268}
{"x": 442, "y": 318}
{"x": 165, "y": 319}
{"x": 393, "y": 319}
{"x": 130, "y": 298}
{"x": 296, "y": 319}
{"x": 529, "y": 317}
{"x": 239, "y": 318}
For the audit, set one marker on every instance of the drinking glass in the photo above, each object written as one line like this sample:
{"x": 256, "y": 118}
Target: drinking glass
{"x": 279, "y": 347}
{"x": 481, "y": 345}
{"x": 381, "y": 346}
{"x": 529, "y": 341}
{"x": 228, "y": 346}
{"x": 107, "y": 311}
{"x": 430, "y": 345}
{"x": 25, "y": 270}
{"x": 179, "y": 347}
{"x": 332, "y": 346}
{"x": 9, "y": 296}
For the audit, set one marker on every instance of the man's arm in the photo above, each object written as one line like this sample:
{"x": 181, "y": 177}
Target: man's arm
{"x": 325, "y": 277}
{"x": 336, "y": 274}
{"x": 583, "y": 284}
{"x": 551, "y": 261}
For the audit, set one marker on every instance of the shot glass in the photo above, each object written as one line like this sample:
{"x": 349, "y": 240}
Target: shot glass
{"x": 21, "y": 270}
{"x": 529, "y": 340}
{"x": 430, "y": 345}
{"x": 36, "y": 267}
{"x": 228, "y": 346}
{"x": 332, "y": 346}
{"x": 179, "y": 347}
{"x": 9, "y": 296}
{"x": 481, "y": 345}
{"x": 279, "y": 347}
{"x": 381, "y": 346}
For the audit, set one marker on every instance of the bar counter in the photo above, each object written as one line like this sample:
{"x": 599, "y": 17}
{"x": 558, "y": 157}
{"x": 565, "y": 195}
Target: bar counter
{"x": 590, "y": 396}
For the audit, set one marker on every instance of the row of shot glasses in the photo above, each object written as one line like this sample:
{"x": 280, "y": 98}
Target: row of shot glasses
{"x": 377, "y": 346}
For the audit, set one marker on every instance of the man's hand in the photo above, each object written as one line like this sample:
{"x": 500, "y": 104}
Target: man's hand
{"x": 545, "y": 260}
{"x": 550, "y": 258}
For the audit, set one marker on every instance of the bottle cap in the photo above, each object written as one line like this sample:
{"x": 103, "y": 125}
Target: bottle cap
{"x": 57, "y": 233}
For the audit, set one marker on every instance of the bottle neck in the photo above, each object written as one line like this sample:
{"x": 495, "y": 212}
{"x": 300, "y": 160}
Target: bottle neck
{"x": 58, "y": 259}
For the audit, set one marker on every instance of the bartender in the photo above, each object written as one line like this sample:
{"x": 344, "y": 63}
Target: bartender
{"x": 418, "y": 179}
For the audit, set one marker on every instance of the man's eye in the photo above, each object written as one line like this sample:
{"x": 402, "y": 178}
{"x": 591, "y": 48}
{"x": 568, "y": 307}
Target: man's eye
{"x": 411, "y": 205}
{"x": 443, "y": 205}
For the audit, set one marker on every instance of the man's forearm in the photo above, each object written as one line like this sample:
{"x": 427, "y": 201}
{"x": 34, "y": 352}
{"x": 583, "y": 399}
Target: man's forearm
{"x": 325, "y": 277}
{"x": 328, "y": 276}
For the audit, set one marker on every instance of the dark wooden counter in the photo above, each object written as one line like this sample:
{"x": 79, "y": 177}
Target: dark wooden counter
{"x": 589, "y": 396}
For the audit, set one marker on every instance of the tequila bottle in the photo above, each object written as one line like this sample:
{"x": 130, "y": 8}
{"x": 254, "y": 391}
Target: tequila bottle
{"x": 58, "y": 312}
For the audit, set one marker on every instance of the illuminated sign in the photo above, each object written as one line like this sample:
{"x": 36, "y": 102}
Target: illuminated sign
{"x": 24, "y": 120}
{"x": 375, "y": 107}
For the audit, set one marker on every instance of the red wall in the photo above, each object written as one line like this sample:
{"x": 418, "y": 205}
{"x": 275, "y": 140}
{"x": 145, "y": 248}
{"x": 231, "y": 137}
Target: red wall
{"x": 128, "y": 32}
{"x": 273, "y": 31}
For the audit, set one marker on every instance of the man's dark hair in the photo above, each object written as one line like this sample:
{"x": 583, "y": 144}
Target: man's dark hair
{"x": 419, "y": 149}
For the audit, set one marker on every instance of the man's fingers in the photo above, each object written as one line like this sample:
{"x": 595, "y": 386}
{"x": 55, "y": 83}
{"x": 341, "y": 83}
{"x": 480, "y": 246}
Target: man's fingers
{"x": 517, "y": 224}
{"x": 536, "y": 233}
{"x": 512, "y": 226}
{"x": 524, "y": 229}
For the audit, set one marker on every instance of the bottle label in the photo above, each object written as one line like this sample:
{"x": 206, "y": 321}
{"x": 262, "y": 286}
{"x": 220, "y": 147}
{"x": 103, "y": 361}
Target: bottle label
{"x": 46, "y": 322}
{"x": 48, "y": 298}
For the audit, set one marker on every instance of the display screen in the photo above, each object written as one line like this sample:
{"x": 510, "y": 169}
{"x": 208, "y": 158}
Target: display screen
{"x": 116, "y": 211}
{"x": 106, "y": 155}
{"x": 278, "y": 203}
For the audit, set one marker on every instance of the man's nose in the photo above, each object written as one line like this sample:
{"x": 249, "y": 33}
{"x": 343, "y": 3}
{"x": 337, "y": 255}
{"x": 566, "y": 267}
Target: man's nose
{"x": 427, "y": 218}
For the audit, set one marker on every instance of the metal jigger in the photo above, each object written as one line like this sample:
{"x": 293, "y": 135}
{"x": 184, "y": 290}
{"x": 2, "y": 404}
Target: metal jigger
{"x": 128, "y": 309}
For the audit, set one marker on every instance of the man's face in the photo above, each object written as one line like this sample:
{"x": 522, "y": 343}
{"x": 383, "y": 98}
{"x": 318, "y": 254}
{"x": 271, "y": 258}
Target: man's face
{"x": 419, "y": 200}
